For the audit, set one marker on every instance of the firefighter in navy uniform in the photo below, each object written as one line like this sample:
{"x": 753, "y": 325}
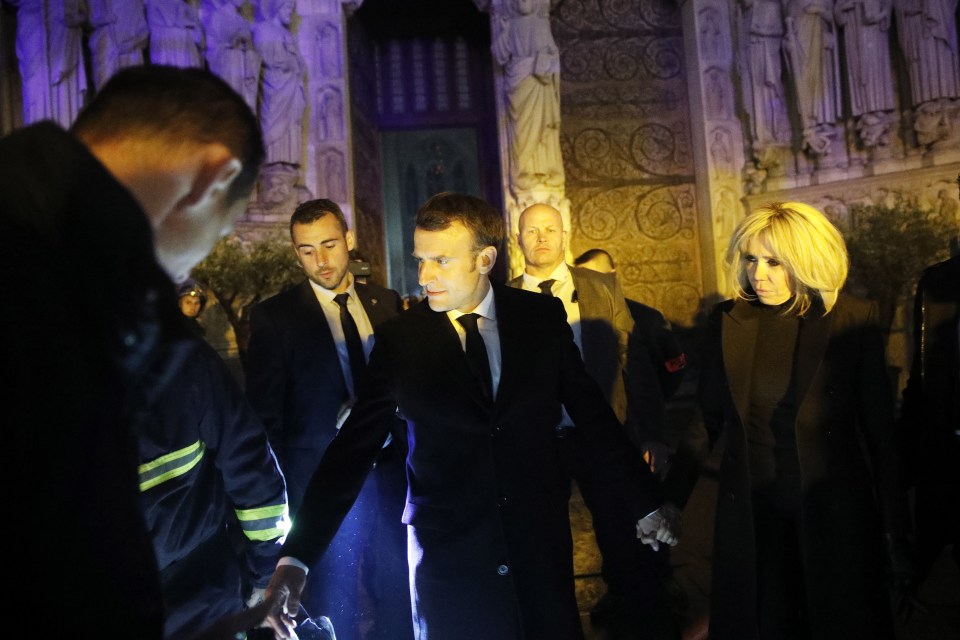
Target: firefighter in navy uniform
{"x": 206, "y": 472}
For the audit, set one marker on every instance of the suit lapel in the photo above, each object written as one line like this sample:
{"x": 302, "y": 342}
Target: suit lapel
{"x": 739, "y": 329}
{"x": 376, "y": 311}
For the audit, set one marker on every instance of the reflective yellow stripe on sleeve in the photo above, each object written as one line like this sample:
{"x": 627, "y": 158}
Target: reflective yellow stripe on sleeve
{"x": 264, "y": 523}
{"x": 170, "y": 465}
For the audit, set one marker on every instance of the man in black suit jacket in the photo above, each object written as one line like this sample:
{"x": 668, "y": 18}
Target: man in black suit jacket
{"x": 489, "y": 545}
{"x": 301, "y": 383}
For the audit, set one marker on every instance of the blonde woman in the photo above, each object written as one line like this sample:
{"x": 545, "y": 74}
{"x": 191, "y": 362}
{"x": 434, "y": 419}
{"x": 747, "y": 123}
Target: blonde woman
{"x": 794, "y": 375}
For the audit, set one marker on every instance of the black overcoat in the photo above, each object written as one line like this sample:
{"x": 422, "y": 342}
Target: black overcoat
{"x": 848, "y": 464}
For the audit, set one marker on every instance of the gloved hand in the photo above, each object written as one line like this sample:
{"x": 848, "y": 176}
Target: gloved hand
{"x": 663, "y": 525}
{"x": 902, "y": 574}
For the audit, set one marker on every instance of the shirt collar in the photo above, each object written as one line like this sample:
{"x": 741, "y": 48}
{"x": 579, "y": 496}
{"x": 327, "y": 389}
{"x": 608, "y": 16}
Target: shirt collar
{"x": 487, "y": 308}
{"x": 560, "y": 274}
{"x": 326, "y": 295}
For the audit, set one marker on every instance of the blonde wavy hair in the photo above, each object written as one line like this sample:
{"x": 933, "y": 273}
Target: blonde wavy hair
{"x": 805, "y": 242}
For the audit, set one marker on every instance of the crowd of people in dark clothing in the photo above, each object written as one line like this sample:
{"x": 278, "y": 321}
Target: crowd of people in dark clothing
{"x": 393, "y": 469}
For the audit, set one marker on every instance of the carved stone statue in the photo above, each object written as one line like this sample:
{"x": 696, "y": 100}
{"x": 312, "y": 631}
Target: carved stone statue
{"x": 866, "y": 26}
{"x": 764, "y": 92}
{"x": 524, "y": 45}
{"x": 230, "y": 51}
{"x": 175, "y": 33}
{"x": 812, "y": 47}
{"x": 928, "y": 37}
{"x": 118, "y": 37}
{"x": 49, "y": 48}
{"x": 283, "y": 100}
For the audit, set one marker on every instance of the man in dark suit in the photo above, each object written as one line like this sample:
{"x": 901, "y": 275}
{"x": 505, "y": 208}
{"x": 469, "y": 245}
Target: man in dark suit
{"x": 305, "y": 360}
{"x": 602, "y": 326}
{"x": 480, "y": 372}
{"x": 651, "y": 331}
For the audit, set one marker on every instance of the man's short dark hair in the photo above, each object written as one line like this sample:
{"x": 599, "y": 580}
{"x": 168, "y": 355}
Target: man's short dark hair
{"x": 593, "y": 254}
{"x": 170, "y": 103}
{"x": 479, "y": 217}
{"x": 312, "y": 210}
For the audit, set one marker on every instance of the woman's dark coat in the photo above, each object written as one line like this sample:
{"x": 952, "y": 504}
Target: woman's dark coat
{"x": 848, "y": 466}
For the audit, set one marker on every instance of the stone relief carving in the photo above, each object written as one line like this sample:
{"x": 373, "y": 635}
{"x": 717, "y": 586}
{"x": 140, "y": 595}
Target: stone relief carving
{"x": 282, "y": 100}
{"x": 329, "y": 114}
{"x": 333, "y": 174}
{"x": 230, "y": 51}
{"x": 118, "y": 36}
{"x": 764, "y": 97}
{"x": 175, "y": 33}
{"x": 811, "y": 45}
{"x": 719, "y": 94}
{"x": 524, "y": 46}
{"x": 713, "y": 45}
{"x": 49, "y": 49}
{"x": 866, "y": 26}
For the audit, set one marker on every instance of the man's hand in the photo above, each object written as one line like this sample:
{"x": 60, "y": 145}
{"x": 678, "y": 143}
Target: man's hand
{"x": 663, "y": 525}
{"x": 284, "y": 589}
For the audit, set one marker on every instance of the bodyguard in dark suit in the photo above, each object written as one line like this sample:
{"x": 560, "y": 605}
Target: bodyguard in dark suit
{"x": 597, "y": 313}
{"x": 480, "y": 372}
{"x": 301, "y": 376}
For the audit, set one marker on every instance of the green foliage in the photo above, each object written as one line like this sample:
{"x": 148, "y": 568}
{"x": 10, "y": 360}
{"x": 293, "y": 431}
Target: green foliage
{"x": 889, "y": 245}
{"x": 241, "y": 273}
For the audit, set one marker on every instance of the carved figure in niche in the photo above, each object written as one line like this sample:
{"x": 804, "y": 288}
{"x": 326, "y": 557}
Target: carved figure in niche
{"x": 49, "y": 50}
{"x": 866, "y": 26}
{"x": 283, "y": 100}
{"x": 717, "y": 94}
{"x": 724, "y": 220}
{"x": 811, "y": 45}
{"x": 721, "y": 154}
{"x": 333, "y": 175}
{"x": 928, "y": 37}
{"x": 230, "y": 51}
{"x": 329, "y": 114}
{"x": 764, "y": 91}
{"x": 329, "y": 49}
{"x": 175, "y": 34}
{"x": 524, "y": 45}
{"x": 711, "y": 37}
{"x": 118, "y": 37}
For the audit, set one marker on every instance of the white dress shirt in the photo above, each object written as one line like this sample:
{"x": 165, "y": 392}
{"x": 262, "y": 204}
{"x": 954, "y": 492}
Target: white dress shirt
{"x": 487, "y": 324}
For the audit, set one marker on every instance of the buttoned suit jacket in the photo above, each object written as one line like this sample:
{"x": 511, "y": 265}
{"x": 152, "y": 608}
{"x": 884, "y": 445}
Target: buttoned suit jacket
{"x": 848, "y": 461}
{"x": 293, "y": 376}
{"x": 490, "y": 549}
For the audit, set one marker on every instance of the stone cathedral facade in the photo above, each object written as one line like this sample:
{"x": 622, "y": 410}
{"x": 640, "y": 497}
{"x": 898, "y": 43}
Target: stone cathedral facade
{"x": 653, "y": 125}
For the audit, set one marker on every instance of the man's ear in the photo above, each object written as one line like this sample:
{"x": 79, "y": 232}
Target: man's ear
{"x": 486, "y": 259}
{"x": 212, "y": 175}
{"x": 351, "y": 240}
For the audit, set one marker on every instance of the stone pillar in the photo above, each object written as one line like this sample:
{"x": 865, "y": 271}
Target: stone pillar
{"x": 328, "y": 168}
{"x": 527, "y": 81}
{"x": 716, "y": 131}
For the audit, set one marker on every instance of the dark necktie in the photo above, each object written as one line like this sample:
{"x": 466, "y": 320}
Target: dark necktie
{"x": 545, "y": 287}
{"x": 358, "y": 362}
{"x": 477, "y": 352}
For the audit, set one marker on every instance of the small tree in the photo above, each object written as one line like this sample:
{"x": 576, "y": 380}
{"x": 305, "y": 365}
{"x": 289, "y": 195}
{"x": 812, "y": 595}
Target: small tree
{"x": 241, "y": 273}
{"x": 890, "y": 244}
